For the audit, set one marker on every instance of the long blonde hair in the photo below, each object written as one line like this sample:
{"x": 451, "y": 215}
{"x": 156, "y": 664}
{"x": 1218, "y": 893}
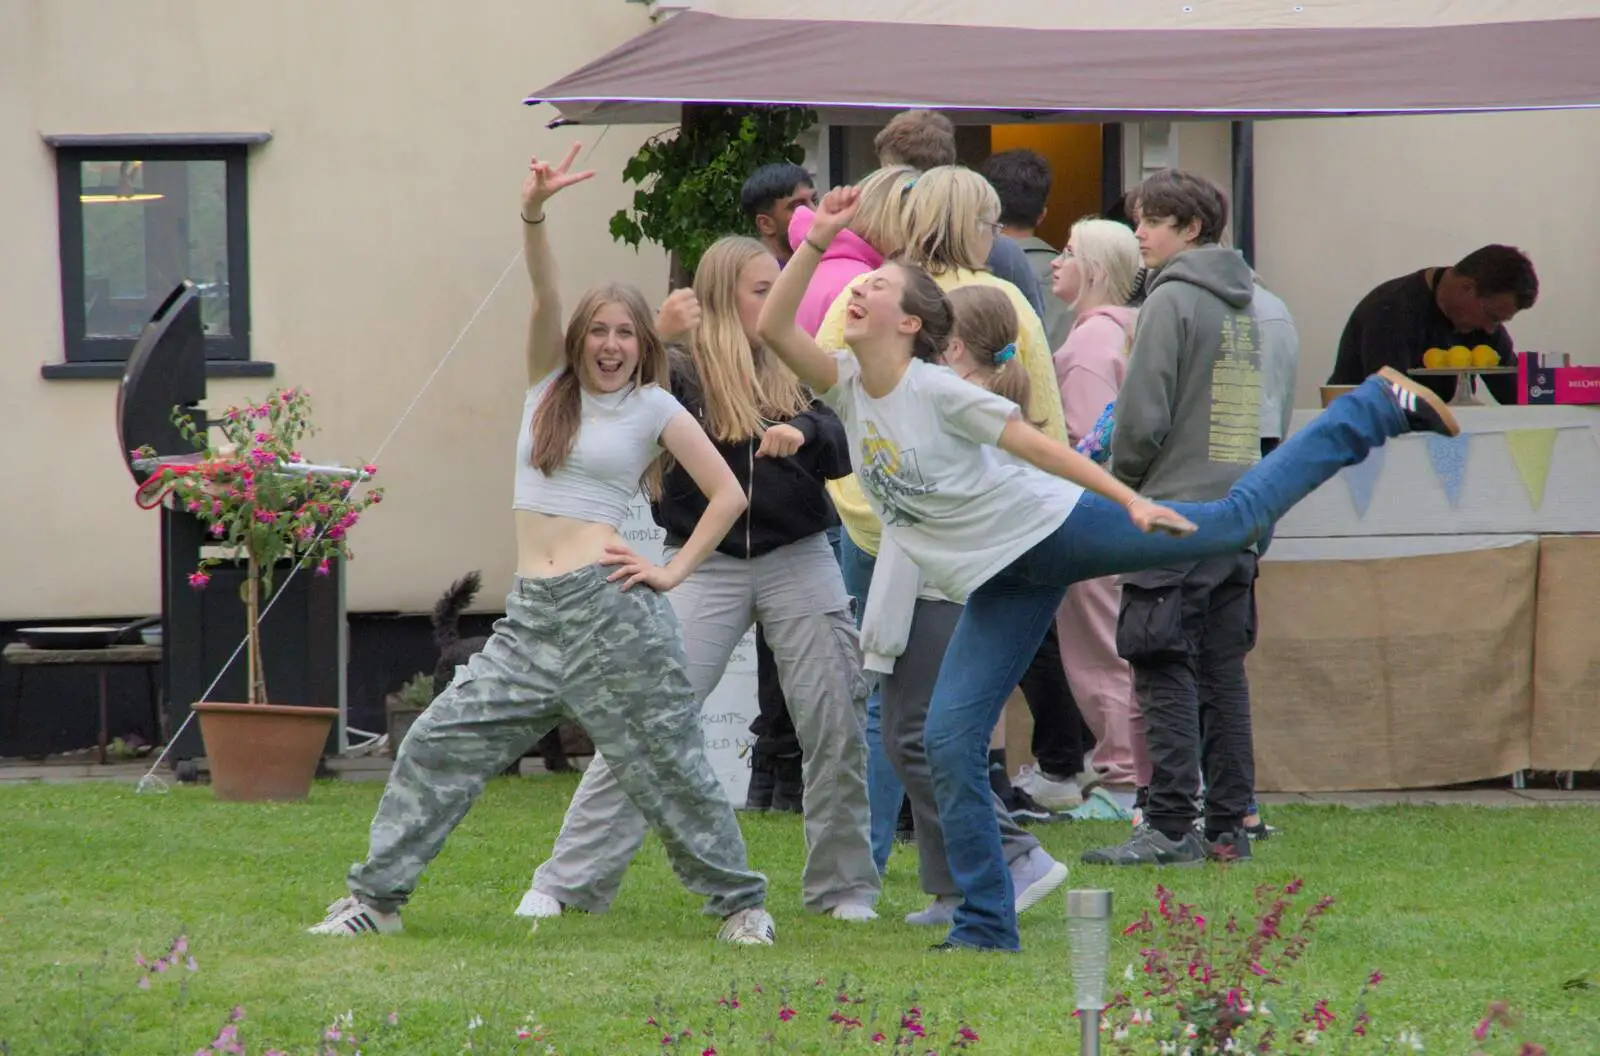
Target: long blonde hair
{"x": 745, "y": 387}
{"x": 986, "y": 322}
{"x": 1108, "y": 260}
{"x": 881, "y": 210}
{"x": 556, "y": 421}
{"x": 944, "y": 213}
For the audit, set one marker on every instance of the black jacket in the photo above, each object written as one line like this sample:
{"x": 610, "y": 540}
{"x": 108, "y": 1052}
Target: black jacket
{"x": 788, "y": 501}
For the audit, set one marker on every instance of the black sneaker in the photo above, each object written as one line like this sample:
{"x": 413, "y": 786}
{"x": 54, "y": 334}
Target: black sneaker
{"x": 1025, "y": 810}
{"x": 1148, "y": 846}
{"x": 763, "y": 779}
{"x": 1260, "y": 830}
{"x": 1229, "y": 847}
{"x": 1425, "y": 412}
{"x": 788, "y": 789}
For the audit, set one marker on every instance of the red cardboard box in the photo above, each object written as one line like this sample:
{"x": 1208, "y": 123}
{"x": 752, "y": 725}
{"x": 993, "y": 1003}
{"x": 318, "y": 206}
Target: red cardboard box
{"x": 1540, "y": 380}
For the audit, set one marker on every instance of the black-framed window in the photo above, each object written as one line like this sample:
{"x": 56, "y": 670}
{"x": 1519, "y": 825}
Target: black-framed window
{"x": 138, "y": 215}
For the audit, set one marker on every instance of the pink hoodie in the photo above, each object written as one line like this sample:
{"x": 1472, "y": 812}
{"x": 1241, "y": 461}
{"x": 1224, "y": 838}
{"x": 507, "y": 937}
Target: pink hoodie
{"x": 848, "y": 258}
{"x": 1091, "y": 363}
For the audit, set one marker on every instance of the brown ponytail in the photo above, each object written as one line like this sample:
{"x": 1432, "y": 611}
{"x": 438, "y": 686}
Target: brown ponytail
{"x": 923, "y": 298}
{"x": 986, "y": 322}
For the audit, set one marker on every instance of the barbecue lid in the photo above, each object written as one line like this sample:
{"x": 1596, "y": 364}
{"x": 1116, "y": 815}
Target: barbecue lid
{"x": 166, "y": 369}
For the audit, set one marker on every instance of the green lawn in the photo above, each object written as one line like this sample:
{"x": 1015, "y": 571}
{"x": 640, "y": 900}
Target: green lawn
{"x": 1456, "y": 906}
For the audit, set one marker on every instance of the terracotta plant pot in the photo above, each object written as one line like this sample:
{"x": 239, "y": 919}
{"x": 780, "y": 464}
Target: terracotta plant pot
{"x": 263, "y": 751}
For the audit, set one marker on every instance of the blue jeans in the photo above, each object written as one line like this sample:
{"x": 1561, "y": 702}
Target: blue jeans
{"x": 884, "y": 791}
{"x": 1005, "y": 620}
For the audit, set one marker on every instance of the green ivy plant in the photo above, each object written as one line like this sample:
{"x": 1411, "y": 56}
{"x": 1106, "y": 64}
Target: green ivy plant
{"x": 689, "y": 178}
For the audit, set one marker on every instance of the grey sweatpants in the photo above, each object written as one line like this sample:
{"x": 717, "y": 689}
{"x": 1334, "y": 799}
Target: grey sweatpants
{"x": 797, "y": 593}
{"x": 906, "y": 695}
{"x": 570, "y": 646}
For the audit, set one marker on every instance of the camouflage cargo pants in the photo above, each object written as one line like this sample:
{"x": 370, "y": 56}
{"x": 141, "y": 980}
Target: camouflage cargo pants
{"x": 571, "y": 646}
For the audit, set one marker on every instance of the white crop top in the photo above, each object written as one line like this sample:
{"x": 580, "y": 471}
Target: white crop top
{"x": 619, "y": 436}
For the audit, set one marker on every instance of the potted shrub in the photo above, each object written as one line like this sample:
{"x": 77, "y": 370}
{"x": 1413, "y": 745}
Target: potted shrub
{"x": 264, "y": 508}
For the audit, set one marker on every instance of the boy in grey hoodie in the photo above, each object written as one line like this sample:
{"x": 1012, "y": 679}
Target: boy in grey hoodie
{"x": 1187, "y": 426}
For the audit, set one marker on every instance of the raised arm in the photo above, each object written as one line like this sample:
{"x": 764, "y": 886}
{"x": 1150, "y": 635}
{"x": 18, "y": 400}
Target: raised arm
{"x": 545, "y": 332}
{"x": 777, "y": 327}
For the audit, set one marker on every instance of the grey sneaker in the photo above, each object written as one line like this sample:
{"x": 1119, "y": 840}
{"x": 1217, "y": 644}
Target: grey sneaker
{"x": 1148, "y": 846}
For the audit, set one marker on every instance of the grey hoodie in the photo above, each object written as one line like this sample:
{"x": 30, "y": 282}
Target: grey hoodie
{"x": 1188, "y": 416}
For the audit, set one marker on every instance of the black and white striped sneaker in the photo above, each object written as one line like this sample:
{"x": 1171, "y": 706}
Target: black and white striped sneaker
{"x": 350, "y": 917}
{"x": 1424, "y": 410}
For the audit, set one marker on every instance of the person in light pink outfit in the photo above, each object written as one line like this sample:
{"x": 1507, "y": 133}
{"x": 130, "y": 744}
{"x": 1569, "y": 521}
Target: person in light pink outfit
{"x": 1096, "y": 275}
{"x": 877, "y": 231}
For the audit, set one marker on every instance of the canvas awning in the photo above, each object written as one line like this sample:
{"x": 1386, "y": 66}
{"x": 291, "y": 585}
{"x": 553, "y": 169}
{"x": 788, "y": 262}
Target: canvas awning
{"x": 1069, "y": 61}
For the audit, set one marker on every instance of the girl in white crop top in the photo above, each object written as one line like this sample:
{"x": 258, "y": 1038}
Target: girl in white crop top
{"x": 776, "y": 567}
{"x": 1009, "y": 536}
{"x": 587, "y": 634}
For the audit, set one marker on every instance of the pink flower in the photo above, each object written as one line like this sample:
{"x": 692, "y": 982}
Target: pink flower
{"x": 785, "y": 1014}
{"x": 1255, "y": 967}
{"x": 1293, "y": 886}
{"x": 266, "y": 516}
{"x": 219, "y": 529}
{"x": 198, "y": 580}
{"x": 967, "y": 1034}
{"x": 708, "y": 1051}
{"x": 1200, "y": 922}
{"x": 879, "y": 1038}
{"x": 322, "y": 567}
{"x": 369, "y": 469}
{"x": 394, "y": 1019}
{"x": 1375, "y": 979}
{"x": 1479, "y": 1032}
{"x": 144, "y": 984}
{"x": 263, "y": 438}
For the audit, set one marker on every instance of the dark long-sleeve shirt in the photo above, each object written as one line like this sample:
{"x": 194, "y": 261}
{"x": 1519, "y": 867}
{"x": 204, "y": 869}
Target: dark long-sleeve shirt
{"x": 1400, "y": 320}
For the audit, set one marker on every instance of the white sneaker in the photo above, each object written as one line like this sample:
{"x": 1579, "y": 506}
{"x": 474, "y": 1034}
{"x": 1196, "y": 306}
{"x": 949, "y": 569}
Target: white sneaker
{"x": 1034, "y": 876}
{"x": 748, "y": 927}
{"x": 854, "y": 912}
{"x": 1055, "y": 795}
{"x": 538, "y": 905}
{"x": 941, "y": 911}
{"x": 350, "y": 916}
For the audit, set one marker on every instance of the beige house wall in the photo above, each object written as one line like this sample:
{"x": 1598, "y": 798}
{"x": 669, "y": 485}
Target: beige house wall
{"x": 381, "y": 213}
{"x": 1344, "y": 203}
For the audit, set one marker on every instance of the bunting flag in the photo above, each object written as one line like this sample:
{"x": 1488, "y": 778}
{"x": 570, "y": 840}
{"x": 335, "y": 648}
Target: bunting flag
{"x": 1531, "y": 450}
{"x": 1362, "y": 478}
{"x": 1449, "y": 457}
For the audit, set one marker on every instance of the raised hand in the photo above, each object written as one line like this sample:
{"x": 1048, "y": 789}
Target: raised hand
{"x": 836, "y": 210}
{"x": 679, "y": 314}
{"x": 545, "y": 180}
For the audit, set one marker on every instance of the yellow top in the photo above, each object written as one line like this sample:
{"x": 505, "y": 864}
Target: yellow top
{"x": 1032, "y": 347}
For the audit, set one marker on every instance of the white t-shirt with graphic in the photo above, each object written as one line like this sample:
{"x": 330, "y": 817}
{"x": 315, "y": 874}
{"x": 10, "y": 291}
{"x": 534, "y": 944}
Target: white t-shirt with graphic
{"x": 926, "y": 461}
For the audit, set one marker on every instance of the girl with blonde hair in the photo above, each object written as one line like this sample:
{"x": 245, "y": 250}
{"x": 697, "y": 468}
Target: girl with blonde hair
{"x": 1096, "y": 274}
{"x": 774, "y": 566}
{"x": 576, "y": 642}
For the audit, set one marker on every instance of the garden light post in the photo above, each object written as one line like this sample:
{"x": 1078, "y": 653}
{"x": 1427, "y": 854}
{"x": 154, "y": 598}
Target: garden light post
{"x": 1089, "y": 933}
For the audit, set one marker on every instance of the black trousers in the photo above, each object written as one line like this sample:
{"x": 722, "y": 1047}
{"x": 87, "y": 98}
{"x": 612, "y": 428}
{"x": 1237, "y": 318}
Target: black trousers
{"x": 773, "y": 727}
{"x": 1186, "y": 630}
{"x": 1060, "y": 736}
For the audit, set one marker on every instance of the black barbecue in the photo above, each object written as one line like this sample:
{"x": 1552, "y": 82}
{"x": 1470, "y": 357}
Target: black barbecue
{"x": 303, "y": 636}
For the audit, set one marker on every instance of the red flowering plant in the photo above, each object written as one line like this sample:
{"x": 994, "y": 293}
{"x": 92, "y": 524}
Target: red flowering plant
{"x": 260, "y": 501}
{"x": 1206, "y": 987}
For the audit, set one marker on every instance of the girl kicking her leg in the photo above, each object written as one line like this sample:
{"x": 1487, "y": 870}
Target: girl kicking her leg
{"x": 1010, "y": 535}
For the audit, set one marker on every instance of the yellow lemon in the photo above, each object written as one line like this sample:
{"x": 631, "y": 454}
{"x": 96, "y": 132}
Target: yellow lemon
{"x": 1484, "y": 356}
{"x": 1458, "y": 356}
{"x": 1433, "y": 358}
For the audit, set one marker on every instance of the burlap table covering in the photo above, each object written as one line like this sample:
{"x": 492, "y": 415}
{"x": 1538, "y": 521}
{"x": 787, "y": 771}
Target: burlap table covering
{"x": 1566, "y": 659}
{"x": 1409, "y": 672}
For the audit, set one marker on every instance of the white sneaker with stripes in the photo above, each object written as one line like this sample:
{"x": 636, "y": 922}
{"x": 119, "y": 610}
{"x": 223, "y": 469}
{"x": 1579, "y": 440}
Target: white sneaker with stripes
{"x": 350, "y": 917}
{"x": 748, "y": 927}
